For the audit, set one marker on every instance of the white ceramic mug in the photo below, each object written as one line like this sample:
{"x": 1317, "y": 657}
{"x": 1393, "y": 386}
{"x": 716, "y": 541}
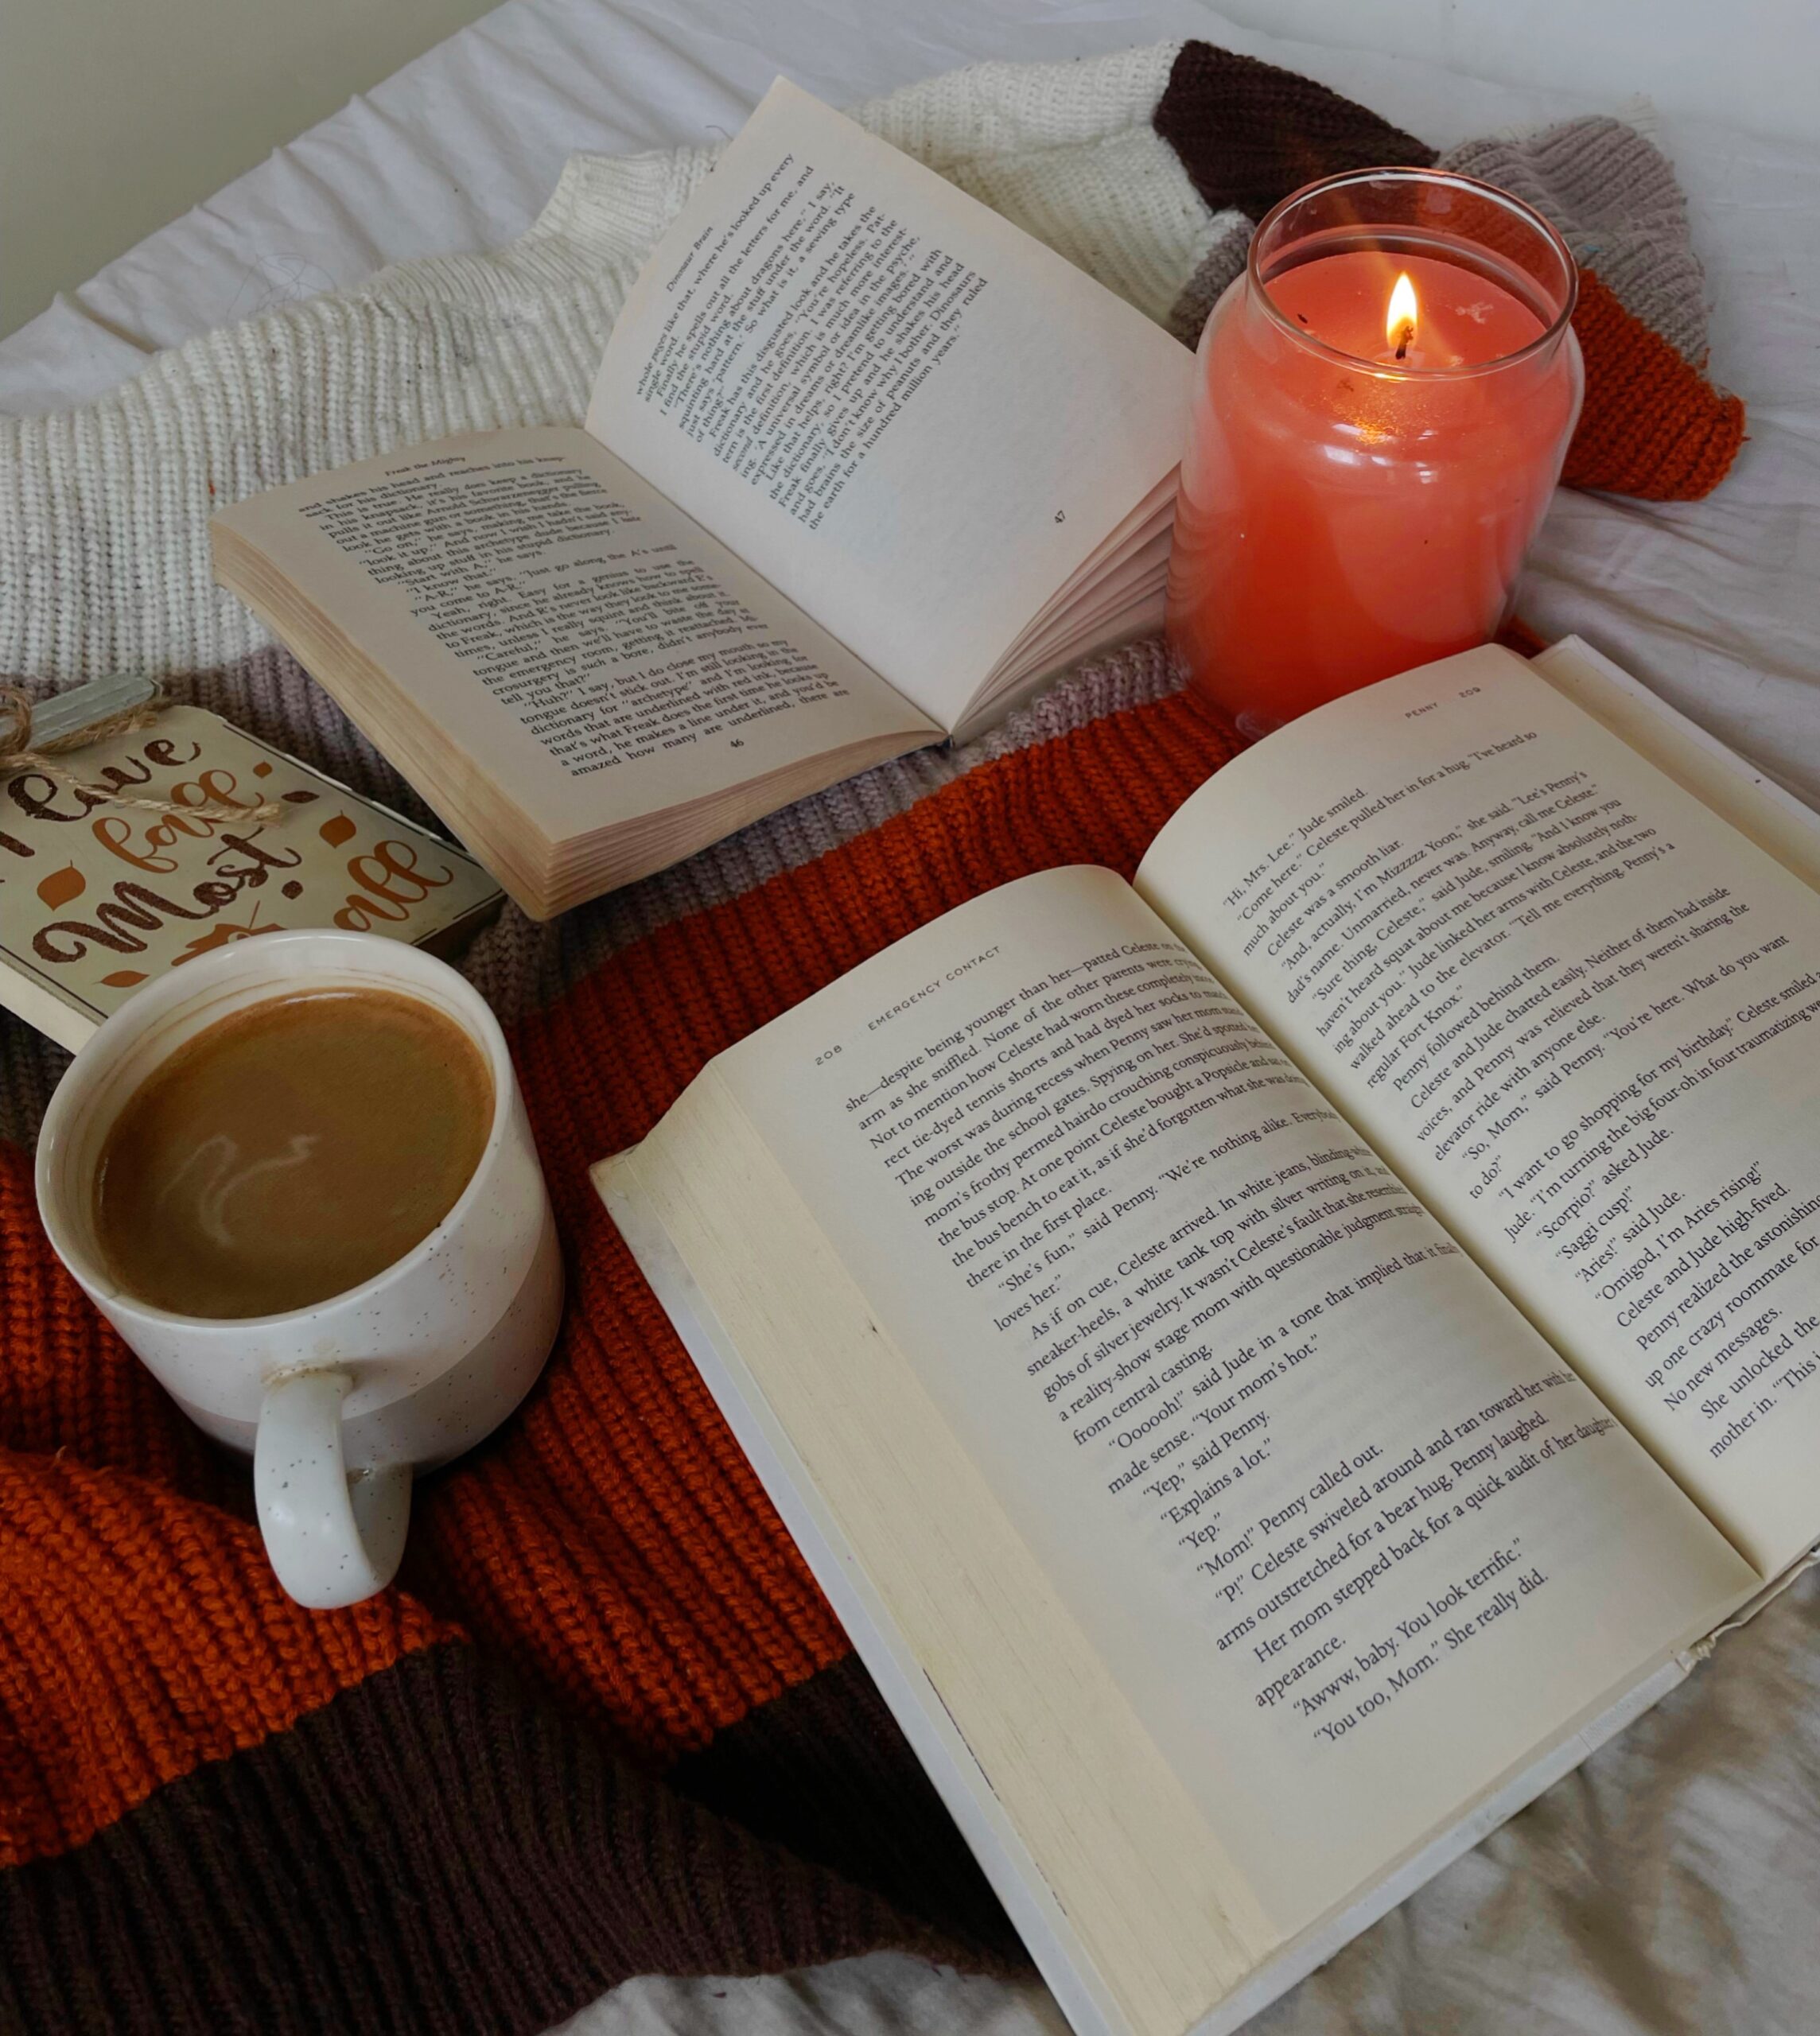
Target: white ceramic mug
{"x": 340, "y": 1403}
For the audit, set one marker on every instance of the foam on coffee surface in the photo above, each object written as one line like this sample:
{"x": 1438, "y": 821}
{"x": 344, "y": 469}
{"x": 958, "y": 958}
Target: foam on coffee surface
{"x": 290, "y": 1153}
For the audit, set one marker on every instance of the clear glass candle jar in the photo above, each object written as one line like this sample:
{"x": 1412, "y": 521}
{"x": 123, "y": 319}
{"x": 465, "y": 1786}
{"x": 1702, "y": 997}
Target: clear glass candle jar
{"x": 1362, "y": 478}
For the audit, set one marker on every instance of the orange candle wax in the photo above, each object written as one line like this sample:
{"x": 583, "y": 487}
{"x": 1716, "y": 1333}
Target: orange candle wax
{"x": 1379, "y": 421}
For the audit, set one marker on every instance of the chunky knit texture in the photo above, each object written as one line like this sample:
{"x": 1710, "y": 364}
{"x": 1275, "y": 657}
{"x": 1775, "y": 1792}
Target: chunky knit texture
{"x": 1653, "y": 427}
{"x": 1678, "y": 443}
{"x": 605, "y": 1723}
{"x": 610, "y": 1546}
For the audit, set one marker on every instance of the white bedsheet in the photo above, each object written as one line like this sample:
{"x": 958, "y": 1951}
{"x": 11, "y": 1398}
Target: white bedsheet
{"x": 1672, "y": 1885}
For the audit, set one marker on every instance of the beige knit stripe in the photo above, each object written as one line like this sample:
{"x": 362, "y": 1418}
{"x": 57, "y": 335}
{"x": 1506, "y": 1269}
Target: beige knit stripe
{"x": 1614, "y": 196}
{"x": 519, "y": 965}
{"x": 1223, "y": 263}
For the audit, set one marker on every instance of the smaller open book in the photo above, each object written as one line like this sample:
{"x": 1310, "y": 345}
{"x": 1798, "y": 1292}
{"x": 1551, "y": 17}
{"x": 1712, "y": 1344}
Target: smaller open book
{"x": 1274, "y": 1361}
{"x": 864, "y": 464}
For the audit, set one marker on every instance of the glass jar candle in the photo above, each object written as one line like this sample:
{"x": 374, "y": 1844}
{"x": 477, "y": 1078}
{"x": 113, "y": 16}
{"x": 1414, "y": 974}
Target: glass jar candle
{"x": 1383, "y": 403}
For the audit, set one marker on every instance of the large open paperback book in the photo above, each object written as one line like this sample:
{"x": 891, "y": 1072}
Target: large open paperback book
{"x": 863, "y": 464}
{"x": 1273, "y": 1362}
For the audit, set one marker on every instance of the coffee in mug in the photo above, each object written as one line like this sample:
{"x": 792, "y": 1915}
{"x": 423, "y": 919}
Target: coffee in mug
{"x": 296, "y": 1176}
{"x": 289, "y": 1151}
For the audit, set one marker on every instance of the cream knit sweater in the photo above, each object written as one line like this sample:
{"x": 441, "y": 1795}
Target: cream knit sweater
{"x": 104, "y": 510}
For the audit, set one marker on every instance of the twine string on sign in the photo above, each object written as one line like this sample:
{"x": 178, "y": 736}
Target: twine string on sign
{"x": 17, "y": 754}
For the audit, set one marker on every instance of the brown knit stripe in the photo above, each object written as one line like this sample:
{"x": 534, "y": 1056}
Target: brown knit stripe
{"x": 824, "y": 1771}
{"x": 436, "y": 1851}
{"x": 1249, "y": 134}
{"x": 144, "y": 1635}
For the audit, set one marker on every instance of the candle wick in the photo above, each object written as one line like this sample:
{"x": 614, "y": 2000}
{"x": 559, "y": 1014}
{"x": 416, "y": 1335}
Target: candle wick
{"x": 1405, "y": 334}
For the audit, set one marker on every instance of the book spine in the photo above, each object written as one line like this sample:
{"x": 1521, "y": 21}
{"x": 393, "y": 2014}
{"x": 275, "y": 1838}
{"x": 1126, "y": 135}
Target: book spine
{"x": 934, "y": 1737}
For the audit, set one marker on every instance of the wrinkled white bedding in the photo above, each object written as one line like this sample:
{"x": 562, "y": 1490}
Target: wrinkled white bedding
{"x": 1672, "y": 1885}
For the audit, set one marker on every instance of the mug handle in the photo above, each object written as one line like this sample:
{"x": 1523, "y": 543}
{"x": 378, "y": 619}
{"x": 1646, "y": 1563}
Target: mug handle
{"x": 332, "y": 1539}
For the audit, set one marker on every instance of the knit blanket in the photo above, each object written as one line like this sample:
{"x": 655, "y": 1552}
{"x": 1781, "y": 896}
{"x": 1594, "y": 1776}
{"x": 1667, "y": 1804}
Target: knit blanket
{"x": 605, "y": 1724}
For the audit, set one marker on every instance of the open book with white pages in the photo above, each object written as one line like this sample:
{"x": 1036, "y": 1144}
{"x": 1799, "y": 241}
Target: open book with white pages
{"x": 1274, "y": 1361}
{"x": 864, "y": 464}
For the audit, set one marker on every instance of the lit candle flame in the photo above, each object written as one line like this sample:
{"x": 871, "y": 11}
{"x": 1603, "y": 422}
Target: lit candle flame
{"x": 1400, "y": 319}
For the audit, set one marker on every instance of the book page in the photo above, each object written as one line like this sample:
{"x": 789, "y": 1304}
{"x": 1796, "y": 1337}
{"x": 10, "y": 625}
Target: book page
{"x": 1744, "y": 797}
{"x": 1352, "y": 1538}
{"x": 908, "y": 414}
{"x": 1575, "y": 1011}
{"x": 564, "y": 626}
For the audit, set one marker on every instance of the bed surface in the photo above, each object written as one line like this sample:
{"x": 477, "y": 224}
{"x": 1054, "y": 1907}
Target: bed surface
{"x": 1670, "y": 1885}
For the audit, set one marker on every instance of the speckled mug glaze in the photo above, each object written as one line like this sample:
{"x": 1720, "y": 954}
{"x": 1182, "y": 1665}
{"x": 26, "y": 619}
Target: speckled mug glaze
{"x": 338, "y": 1404}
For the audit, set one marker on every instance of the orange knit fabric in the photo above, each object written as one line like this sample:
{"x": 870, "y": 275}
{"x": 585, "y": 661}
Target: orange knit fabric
{"x": 144, "y": 1633}
{"x": 612, "y": 1541}
{"x": 66, "y": 1382}
{"x": 1652, "y": 425}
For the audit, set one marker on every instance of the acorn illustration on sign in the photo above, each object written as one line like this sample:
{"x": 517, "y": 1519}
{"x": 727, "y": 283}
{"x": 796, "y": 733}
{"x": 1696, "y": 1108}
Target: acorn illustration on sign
{"x": 223, "y": 933}
{"x": 61, "y": 885}
{"x": 155, "y": 873}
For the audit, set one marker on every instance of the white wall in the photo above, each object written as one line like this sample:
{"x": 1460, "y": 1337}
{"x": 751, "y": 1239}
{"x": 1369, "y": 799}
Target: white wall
{"x": 116, "y": 115}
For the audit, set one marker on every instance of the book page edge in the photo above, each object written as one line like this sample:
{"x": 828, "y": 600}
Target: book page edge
{"x": 913, "y": 1699}
{"x": 1314, "y": 1947}
{"x": 1782, "y": 826}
